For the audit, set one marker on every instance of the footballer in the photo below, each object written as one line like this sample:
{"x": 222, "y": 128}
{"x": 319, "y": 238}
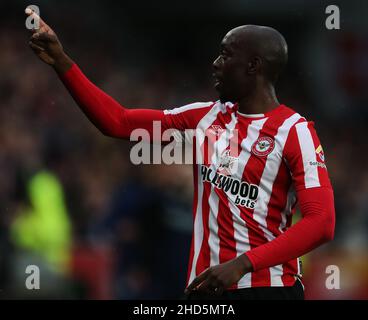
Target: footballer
{"x": 244, "y": 245}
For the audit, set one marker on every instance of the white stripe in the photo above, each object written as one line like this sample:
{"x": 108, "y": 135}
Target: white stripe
{"x": 241, "y": 240}
{"x": 290, "y": 200}
{"x": 191, "y": 106}
{"x": 269, "y": 174}
{"x": 213, "y": 238}
{"x": 198, "y": 228}
{"x": 225, "y": 106}
{"x": 311, "y": 178}
{"x": 205, "y": 122}
{"x": 213, "y": 199}
{"x": 203, "y": 125}
{"x": 256, "y": 115}
{"x": 219, "y": 146}
{"x": 240, "y": 229}
{"x": 246, "y": 145}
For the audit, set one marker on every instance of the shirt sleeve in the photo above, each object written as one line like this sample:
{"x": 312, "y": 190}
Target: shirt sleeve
{"x": 305, "y": 158}
{"x": 113, "y": 119}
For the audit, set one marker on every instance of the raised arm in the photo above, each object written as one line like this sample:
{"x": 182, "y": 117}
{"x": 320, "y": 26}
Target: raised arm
{"x": 110, "y": 117}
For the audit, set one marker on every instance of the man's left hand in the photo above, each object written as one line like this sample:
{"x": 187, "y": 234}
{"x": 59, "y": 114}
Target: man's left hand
{"x": 216, "y": 279}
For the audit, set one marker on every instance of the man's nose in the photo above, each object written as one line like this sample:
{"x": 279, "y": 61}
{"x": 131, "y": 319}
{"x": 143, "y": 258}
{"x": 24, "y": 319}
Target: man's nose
{"x": 215, "y": 64}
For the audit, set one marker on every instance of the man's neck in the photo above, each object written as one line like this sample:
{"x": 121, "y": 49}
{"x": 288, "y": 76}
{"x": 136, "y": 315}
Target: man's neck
{"x": 261, "y": 101}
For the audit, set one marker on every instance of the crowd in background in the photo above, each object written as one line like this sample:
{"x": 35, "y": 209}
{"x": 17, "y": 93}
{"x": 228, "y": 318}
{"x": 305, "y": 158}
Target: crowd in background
{"x": 100, "y": 227}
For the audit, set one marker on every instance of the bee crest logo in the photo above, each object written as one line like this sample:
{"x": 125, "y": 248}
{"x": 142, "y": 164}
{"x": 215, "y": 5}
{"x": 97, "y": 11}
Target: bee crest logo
{"x": 263, "y": 146}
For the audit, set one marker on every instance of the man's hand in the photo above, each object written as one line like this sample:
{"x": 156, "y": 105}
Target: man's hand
{"x": 216, "y": 279}
{"x": 46, "y": 45}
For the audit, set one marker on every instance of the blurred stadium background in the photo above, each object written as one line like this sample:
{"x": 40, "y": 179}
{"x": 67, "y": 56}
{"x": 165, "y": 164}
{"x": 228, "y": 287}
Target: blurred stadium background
{"x": 99, "y": 227}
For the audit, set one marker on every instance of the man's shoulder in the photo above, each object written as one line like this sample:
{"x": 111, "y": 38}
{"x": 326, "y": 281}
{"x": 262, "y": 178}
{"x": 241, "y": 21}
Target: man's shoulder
{"x": 189, "y": 107}
{"x": 287, "y": 113}
{"x": 295, "y": 122}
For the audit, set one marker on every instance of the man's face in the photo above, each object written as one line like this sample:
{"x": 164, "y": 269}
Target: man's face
{"x": 230, "y": 70}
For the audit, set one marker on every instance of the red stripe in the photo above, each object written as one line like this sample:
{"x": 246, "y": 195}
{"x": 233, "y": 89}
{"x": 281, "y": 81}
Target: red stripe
{"x": 225, "y": 229}
{"x": 252, "y": 173}
{"x": 276, "y": 206}
{"x": 204, "y": 257}
{"x": 293, "y": 145}
{"x": 278, "y": 200}
{"x": 194, "y": 210}
{"x": 224, "y": 217}
{"x": 291, "y": 267}
{"x": 322, "y": 172}
{"x": 203, "y": 261}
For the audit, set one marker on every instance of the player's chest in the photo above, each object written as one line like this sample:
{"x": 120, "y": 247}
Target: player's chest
{"x": 242, "y": 150}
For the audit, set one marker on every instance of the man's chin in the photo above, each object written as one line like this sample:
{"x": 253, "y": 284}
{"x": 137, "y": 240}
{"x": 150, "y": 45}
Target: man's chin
{"x": 224, "y": 99}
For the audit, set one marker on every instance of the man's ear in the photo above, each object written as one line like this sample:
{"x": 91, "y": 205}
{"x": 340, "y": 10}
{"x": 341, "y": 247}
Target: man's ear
{"x": 254, "y": 65}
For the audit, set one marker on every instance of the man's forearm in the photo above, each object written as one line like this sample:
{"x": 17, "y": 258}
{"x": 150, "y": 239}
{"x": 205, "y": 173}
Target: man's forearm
{"x": 315, "y": 228}
{"x": 106, "y": 113}
{"x": 103, "y": 111}
{"x": 62, "y": 64}
{"x": 109, "y": 116}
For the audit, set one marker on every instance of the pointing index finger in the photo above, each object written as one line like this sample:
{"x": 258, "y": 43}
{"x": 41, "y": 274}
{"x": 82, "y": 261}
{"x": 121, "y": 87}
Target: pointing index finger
{"x": 42, "y": 26}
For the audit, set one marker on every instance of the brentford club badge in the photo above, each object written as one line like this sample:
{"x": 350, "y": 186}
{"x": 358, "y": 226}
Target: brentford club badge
{"x": 263, "y": 146}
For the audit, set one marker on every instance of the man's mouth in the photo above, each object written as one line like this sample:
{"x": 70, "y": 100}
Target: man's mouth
{"x": 217, "y": 80}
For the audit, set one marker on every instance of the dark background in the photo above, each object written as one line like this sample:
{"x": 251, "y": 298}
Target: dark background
{"x": 99, "y": 227}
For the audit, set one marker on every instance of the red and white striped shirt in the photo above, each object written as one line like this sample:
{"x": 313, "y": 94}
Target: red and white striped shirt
{"x": 249, "y": 171}
{"x": 251, "y": 200}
